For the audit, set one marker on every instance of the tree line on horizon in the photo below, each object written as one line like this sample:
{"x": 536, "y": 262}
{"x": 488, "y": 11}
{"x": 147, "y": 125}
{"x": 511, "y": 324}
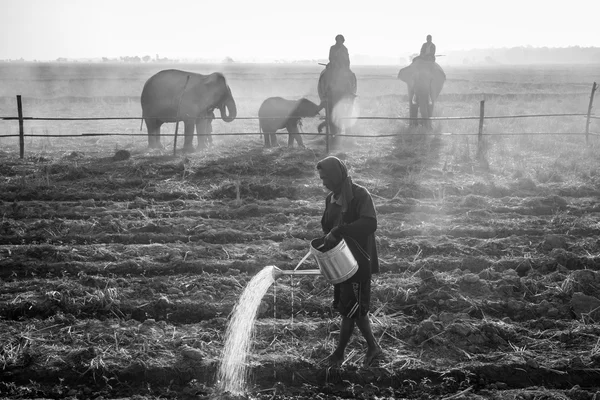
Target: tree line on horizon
{"x": 486, "y": 56}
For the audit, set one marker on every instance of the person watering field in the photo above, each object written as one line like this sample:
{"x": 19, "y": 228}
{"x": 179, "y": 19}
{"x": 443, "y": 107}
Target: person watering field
{"x": 350, "y": 214}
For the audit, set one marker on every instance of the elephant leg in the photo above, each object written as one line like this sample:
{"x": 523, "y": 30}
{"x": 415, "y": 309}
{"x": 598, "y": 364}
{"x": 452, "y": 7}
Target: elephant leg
{"x": 294, "y": 134}
{"x": 413, "y": 113}
{"x": 274, "y": 142}
{"x": 203, "y": 132}
{"x": 188, "y": 141}
{"x": 333, "y": 129}
{"x": 153, "y": 127}
{"x": 267, "y": 136}
{"x": 424, "y": 107}
{"x": 430, "y": 113}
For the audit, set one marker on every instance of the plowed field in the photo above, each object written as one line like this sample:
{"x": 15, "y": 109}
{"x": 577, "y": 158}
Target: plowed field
{"x": 118, "y": 275}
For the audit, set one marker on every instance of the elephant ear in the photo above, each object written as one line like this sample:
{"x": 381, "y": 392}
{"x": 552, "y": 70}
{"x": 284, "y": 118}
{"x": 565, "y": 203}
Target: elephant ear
{"x": 407, "y": 74}
{"x": 438, "y": 77}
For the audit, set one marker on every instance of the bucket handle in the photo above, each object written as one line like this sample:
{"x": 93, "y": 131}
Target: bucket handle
{"x": 302, "y": 261}
{"x": 361, "y": 251}
{"x": 306, "y": 256}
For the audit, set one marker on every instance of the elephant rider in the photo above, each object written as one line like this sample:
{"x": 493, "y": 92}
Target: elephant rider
{"x": 338, "y": 68}
{"x": 338, "y": 54}
{"x": 427, "y": 50}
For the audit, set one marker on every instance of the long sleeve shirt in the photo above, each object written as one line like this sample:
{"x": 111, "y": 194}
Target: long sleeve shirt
{"x": 338, "y": 56}
{"x": 359, "y": 223}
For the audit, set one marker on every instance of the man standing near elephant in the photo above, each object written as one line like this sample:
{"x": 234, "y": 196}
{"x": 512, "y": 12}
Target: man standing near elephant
{"x": 350, "y": 215}
{"x": 338, "y": 54}
{"x": 428, "y": 50}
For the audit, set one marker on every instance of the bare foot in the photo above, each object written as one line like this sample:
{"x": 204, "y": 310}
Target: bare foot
{"x": 333, "y": 360}
{"x": 372, "y": 355}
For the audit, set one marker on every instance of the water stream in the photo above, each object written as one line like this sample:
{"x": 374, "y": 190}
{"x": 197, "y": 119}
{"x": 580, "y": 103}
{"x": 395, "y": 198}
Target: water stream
{"x": 233, "y": 369}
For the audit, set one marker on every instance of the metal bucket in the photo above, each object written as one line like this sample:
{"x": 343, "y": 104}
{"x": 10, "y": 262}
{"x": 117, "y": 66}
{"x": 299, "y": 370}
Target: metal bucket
{"x": 337, "y": 264}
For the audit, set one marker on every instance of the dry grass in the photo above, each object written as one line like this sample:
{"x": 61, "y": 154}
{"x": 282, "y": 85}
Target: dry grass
{"x": 110, "y": 265}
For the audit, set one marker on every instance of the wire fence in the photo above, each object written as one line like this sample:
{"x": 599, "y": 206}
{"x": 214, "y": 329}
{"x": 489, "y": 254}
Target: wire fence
{"x": 481, "y": 118}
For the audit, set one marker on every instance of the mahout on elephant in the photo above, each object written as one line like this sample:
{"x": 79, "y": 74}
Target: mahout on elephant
{"x": 337, "y": 91}
{"x": 427, "y": 52}
{"x": 277, "y": 113}
{"x": 173, "y": 95}
{"x": 425, "y": 80}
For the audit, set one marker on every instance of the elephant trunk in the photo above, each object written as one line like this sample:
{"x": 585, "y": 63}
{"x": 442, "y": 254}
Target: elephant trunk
{"x": 228, "y": 108}
{"x": 321, "y": 105}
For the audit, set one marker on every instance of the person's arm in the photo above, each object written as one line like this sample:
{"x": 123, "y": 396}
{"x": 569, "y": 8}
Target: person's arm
{"x": 331, "y": 54}
{"x": 346, "y": 58}
{"x": 423, "y": 49}
{"x": 366, "y": 223}
{"x": 432, "y": 49}
{"x": 361, "y": 227}
{"x": 325, "y": 225}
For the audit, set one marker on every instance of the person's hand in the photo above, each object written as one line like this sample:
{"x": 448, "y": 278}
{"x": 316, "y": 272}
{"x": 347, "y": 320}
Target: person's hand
{"x": 330, "y": 240}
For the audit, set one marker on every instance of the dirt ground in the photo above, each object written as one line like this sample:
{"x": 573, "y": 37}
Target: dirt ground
{"x": 118, "y": 274}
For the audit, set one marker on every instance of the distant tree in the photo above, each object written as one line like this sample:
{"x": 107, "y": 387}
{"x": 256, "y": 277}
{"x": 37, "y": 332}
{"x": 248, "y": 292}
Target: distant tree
{"x": 228, "y": 60}
{"x": 146, "y": 58}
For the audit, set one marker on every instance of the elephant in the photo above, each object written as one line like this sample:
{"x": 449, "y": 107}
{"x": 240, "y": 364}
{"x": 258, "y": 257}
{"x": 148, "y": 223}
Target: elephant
{"x": 277, "y": 113}
{"x": 205, "y": 132}
{"x": 337, "y": 91}
{"x": 173, "y": 95}
{"x": 425, "y": 80}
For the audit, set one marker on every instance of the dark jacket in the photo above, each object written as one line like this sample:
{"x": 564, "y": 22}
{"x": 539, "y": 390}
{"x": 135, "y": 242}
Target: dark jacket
{"x": 358, "y": 223}
{"x": 339, "y": 57}
{"x": 431, "y": 53}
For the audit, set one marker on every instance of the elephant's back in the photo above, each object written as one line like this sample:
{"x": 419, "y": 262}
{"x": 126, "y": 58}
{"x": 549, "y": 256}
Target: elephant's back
{"x": 321, "y": 85}
{"x": 172, "y": 80}
{"x": 273, "y": 106}
{"x": 341, "y": 81}
{"x": 165, "y": 87}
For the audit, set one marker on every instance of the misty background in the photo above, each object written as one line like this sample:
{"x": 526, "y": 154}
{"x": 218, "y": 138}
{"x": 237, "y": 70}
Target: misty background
{"x": 504, "y": 56}
{"x": 264, "y": 31}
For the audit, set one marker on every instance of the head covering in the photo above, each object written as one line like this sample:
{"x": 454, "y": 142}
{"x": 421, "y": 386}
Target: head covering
{"x": 334, "y": 169}
{"x": 340, "y": 38}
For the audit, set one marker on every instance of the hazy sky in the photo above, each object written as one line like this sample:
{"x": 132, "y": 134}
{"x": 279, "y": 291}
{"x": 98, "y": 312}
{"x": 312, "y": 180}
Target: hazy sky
{"x": 282, "y": 29}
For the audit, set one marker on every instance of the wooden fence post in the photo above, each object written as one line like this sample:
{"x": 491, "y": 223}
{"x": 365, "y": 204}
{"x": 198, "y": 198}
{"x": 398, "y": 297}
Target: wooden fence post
{"x": 480, "y": 132}
{"x": 327, "y": 126}
{"x": 21, "y": 131}
{"x": 177, "y": 117}
{"x": 589, "y": 113}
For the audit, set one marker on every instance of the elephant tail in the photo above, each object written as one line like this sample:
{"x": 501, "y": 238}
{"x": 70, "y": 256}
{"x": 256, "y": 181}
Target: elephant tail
{"x": 141, "y": 123}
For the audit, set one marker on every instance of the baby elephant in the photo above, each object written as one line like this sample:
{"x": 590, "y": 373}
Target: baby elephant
{"x": 277, "y": 113}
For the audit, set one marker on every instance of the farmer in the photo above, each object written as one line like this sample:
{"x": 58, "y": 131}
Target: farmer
{"x": 350, "y": 214}
{"x": 428, "y": 50}
{"x": 338, "y": 54}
